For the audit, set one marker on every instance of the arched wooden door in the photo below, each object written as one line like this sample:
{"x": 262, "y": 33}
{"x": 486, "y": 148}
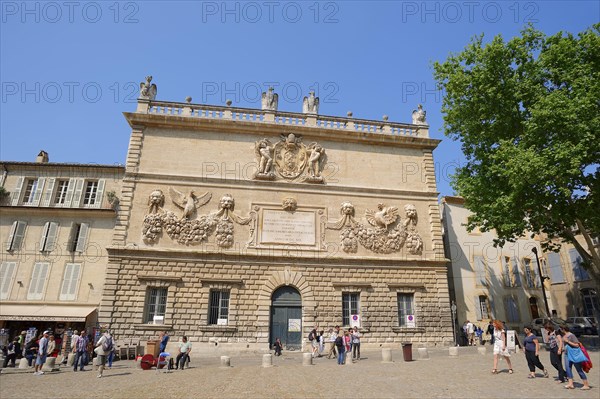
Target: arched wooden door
{"x": 286, "y": 318}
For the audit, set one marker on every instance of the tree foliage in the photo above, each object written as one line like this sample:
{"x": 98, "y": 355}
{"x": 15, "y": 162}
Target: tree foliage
{"x": 527, "y": 113}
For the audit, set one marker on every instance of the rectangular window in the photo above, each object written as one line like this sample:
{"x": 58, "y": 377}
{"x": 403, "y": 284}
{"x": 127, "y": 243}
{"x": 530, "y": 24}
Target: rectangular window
{"x": 556, "y": 271}
{"x": 91, "y": 190}
{"x": 60, "y": 198}
{"x": 16, "y": 236}
{"x": 68, "y": 291}
{"x": 405, "y": 308}
{"x": 48, "y": 239}
{"x": 480, "y": 274}
{"x": 532, "y": 276}
{"x": 510, "y": 272}
{"x": 219, "y": 307}
{"x": 156, "y": 303}
{"x": 79, "y": 236}
{"x": 38, "y": 280}
{"x": 350, "y": 306}
{"x": 512, "y": 310}
{"x": 482, "y": 307}
{"x": 29, "y": 191}
{"x": 7, "y": 274}
{"x": 579, "y": 273}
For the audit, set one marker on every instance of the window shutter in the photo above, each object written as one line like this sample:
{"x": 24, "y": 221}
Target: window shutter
{"x": 556, "y": 272}
{"x": 44, "y": 237}
{"x": 537, "y": 279}
{"x": 492, "y": 310}
{"x": 51, "y": 238}
{"x": 11, "y": 236}
{"x": 70, "y": 190}
{"x": 480, "y": 270}
{"x": 49, "y": 190}
{"x": 527, "y": 267}
{"x": 76, "y": 271}
{"x": 507, "y": 279}
{"x": 82, "y": 237}
{"x": 99, "y": 193}
{"x": 64, "y": 291}
{"x": 78, "y": 190}
{"x": 477, "y": 307}
{"x": 39, "y": 189}
{"x": 14, "y": 201}
{"x": 7, "y": 270}
{"x": 515, "y": 265}
{"x": 16, "y": 239}
{"x": 38, "y": 280}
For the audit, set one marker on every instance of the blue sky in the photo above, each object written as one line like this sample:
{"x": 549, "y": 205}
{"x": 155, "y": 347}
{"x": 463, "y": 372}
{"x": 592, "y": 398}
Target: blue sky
{"x": 69, "y": 69}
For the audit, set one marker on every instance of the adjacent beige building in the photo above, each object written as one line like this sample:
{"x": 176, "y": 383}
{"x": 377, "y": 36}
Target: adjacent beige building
{"x": 237, "y": 226}
{"x": 56, "y": 221}
{"x": 488, "y": 282}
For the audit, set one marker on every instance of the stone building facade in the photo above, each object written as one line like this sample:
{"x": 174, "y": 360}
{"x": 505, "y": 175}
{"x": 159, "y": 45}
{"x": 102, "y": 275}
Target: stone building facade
{"x": 56, "y": 221}
{"x": 237, "y": 226}
{"x": 488, "y": 282}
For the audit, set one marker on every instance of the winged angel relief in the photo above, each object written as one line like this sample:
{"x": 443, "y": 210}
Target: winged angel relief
{"x": 384, "y": 235}
{"x": 187, "y": 229}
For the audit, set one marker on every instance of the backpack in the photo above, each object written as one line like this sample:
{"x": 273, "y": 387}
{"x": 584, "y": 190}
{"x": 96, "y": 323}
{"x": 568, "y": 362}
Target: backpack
{"x": 311, "y": 336}
{"x": 107, "y": 345}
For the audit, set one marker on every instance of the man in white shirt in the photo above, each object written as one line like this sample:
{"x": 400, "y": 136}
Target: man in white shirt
{"x": 470, "y": 333}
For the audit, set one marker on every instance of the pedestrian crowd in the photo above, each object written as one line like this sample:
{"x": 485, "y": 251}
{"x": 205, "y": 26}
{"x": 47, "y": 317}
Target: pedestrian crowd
{"x": 561, "y": 341}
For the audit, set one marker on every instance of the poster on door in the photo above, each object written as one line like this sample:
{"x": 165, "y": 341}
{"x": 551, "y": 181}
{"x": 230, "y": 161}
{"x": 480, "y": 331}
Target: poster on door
{"x": 294, "y": 325}
{"x": 510, "y": 341}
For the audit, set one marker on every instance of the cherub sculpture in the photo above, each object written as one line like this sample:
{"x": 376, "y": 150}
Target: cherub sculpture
{"x": 264, "y": 154}
{"x": 316, "y": 154}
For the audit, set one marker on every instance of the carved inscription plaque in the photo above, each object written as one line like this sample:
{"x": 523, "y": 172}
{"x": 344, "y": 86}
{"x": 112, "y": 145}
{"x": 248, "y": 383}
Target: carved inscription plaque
{"x": 281, "y": 227}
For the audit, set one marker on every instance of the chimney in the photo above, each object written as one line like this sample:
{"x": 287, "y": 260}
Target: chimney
{"x": 42, "y": 157}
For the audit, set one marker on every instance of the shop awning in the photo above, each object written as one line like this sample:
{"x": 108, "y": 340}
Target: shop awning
{"x": 45, "y": 312}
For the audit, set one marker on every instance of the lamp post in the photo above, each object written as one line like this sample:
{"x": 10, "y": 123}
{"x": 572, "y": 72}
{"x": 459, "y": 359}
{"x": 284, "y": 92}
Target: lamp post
{"x": 542, "y": 278}
{"x": 453, "y": 308}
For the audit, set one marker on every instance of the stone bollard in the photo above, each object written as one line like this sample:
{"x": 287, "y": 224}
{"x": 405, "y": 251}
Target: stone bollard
{"x": 482, "y": 350}
{"x": 138, "y": 363}
{"x": 307, "y": 359}
{"x": 267, "y": 360}
{"x": 50, "y": 364}
{"x": 95, "y": 362}
{"x": 348, "y": 361}
{"x": 23, "y": 363}
{"x": 225, "y": 361}
{"x": 453, "y": 351}
{"x": 423, "y": 354}
{"x": 71, "y": 359}
{"x": 386, "y": 355}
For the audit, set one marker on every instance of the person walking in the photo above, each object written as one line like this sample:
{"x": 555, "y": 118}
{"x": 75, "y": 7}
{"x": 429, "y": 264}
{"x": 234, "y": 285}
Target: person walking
{"x": 490, "y": 331}
{"x": 277, "y": 346}
{"x": 332, "y": 347}
{"x": 42, "y": 353}
{"x": 11, "y": 353}
{"x": 500, "y": 347}
{"x": 341, "y": 348}
{"x": 321, "y": 342}
{"x": 103, "y": 347}
{"x": 79, "y": 349}
{"x": 470, "y": 330}
{"x": 570, "y": 341}
{"x": 556, "y": 349}
{"x": 531, "y": 349}
{"x": 355, "y": 344}
{"x": 348, "y": 344}
{"x": 164, "y": 340}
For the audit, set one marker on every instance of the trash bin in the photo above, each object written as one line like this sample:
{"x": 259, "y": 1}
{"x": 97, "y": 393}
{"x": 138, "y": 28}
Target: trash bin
{"x": 407, "y": 351}
{"x": 152, "y": 348}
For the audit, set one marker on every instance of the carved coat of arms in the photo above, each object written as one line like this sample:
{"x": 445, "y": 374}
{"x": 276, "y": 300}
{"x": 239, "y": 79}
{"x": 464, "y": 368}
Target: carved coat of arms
{"x": 290, "y": 157}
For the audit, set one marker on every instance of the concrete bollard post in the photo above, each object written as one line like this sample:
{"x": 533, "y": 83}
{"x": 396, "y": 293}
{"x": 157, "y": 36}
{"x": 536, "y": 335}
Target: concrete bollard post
{"x": 349, "y": 361}
{"x": 307, "y": 359}
{"x": 267, "y": 360}
{"x": 423, "y": 354}
{"x": 225, "y": 361}
{"x": 386, "y": 355}
{"x": 71, "y": 359}
{"x": 453, "y": 351}
{"x": 138, "y": 363}
{"x": 482, "y": 350}
{"x": 23, "y": 363}
{"x": 95, "y": 362}
{"x": 50, "y": 364}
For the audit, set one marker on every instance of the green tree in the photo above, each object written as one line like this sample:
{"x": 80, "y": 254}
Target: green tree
{"x": 527, "y": 113}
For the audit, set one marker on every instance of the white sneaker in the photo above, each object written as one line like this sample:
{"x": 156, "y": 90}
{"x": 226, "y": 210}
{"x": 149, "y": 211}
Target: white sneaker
{"x": 99, "y": 375}
{"x": 40, "y": 372}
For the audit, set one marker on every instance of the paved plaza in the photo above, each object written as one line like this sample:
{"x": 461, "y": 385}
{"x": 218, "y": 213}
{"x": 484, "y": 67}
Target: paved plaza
{"x": 467, "y": 376}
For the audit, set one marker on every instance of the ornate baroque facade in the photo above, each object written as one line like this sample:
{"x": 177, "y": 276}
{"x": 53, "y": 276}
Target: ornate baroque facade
{"x": 237, "y": 226}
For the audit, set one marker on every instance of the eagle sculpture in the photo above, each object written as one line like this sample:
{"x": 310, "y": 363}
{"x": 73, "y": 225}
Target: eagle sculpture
{"x": 383, "y": 217}
{"x": 189, "y": 203}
